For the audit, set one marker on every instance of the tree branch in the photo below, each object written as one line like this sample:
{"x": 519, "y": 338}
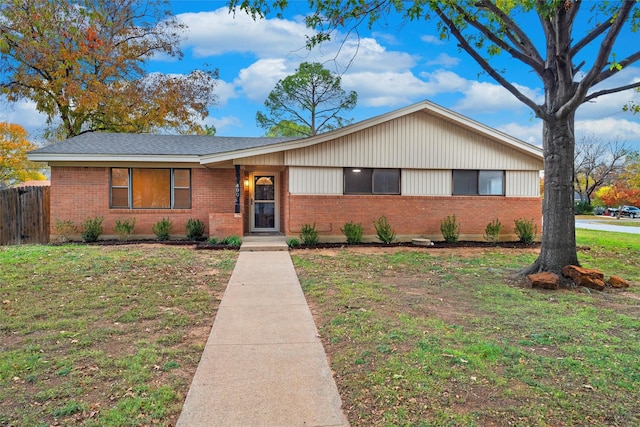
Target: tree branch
{"x": 464, "y": 44}
{"x": 610, "y": 91}
{"x": 610, "y": 71}
{"x": 605, "y": 50}
{"x": 527, "y": 51}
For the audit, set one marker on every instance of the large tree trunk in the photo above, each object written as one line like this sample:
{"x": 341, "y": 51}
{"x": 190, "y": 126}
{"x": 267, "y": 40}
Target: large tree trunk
{"x": 558, "y": 225}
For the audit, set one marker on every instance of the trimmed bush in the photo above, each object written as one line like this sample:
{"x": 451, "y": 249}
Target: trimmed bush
{"x": 195, "y": 229}
{"x": 353, "y": 233}
{"x": 309, "y": 234}
{"x": 526, "y": 230}
{"x": 233, "y": 241}
{"x": 162, "y": 229}
{"x": 450, "y": 229}
{"x": 125, "y": 228}
{"x": 384, "y": 232}
{"x": 293, "y": 242}
{"x": 92, "y": 229}
{"x": 492, "y": 232}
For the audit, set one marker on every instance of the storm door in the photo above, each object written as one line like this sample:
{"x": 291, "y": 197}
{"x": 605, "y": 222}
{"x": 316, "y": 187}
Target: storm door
{"x": 264, "y": 203}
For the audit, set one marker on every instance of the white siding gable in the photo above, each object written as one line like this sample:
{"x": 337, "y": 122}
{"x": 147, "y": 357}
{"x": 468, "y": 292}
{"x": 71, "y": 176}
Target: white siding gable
{"x": 418, "y": 141}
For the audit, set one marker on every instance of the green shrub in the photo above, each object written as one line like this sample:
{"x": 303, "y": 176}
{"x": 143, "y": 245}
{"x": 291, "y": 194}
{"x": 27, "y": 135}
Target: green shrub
{"x": 353, "y": 233}
{"x": 233, "y": 241}
{"x": 64, "y": 229}
{"x": 384, "y": 232}
{"x": 583, "y": 208}
{"x": 213, "y": 240}
{"x": 293, "y": 242}
{"x": 195, "y": 229}
{"x": 492, "y": 232}
{"x": 124, "y": 228}
{"x": 92, "y": 229}
{"x": 309, "y": 234}
{"x": 526, "y": 230}
{"x": 450, "y": 229}
{"x": 162, "y": 228}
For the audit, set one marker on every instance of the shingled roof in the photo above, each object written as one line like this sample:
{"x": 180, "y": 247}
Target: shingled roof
{"x": 129, "y": 144}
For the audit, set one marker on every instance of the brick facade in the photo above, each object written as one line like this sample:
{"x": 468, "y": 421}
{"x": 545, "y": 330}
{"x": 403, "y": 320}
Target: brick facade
{"x": 81, "y": 192}
{"x": 410, "y": 216}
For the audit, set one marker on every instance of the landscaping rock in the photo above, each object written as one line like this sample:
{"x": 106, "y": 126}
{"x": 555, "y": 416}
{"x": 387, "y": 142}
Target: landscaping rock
{"x": 618, "y": 282}
{"x": 544, "y": 280}
{"x": 592, "y": 279}
{"x": 422, "y": 242}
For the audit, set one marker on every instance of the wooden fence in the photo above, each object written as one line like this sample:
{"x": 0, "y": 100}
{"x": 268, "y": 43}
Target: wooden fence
{"x": 24, "y": 215}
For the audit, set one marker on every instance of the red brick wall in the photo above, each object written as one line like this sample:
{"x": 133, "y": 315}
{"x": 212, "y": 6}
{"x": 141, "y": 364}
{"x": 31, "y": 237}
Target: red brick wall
{"x": 410, "y": 216}
{"x": 81, "y": 192}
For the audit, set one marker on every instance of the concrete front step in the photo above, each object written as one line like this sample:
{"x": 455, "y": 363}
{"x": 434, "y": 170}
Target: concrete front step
{"x": 263, "y": 243}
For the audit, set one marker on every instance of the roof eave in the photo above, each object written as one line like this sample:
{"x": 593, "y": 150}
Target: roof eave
{"x": 150, "y": 158}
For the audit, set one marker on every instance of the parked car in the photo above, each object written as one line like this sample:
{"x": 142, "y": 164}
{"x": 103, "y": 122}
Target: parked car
{"x": 598, "y": 210}
{"x": 611, "y": 212}
{"x": 630, "y": 211}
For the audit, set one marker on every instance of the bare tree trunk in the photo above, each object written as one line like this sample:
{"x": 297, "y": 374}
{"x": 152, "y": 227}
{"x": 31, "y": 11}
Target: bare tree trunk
{"x": 558, "y": 229}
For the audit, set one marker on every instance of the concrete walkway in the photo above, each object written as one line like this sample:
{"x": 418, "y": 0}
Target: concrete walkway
{"x": 263, "y": 364}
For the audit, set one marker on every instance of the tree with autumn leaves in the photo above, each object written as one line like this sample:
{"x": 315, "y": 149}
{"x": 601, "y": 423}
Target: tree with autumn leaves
{"x": 626, "y": 189}
{"x": 83, "y": 63}
{"x": 14, "y": 166}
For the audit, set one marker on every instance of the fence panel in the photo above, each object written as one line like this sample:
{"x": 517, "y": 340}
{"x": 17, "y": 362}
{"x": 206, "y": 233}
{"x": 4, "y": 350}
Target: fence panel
{"x": 24, "y": 215}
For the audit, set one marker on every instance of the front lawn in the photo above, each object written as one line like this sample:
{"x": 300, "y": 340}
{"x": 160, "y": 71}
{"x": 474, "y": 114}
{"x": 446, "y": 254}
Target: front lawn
{"x": 103, "y": 335}
{"x": 444, "y": 337}
{"x": 95, "y": 336}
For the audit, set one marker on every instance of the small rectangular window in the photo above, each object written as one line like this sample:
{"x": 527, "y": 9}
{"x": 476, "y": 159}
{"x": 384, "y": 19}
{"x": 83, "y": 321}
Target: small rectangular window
{"x": 120, "y": 188}
{"x": 475, "y": 182}
{"x": 371, "y": 181}
{"x": 465, "y": 182}
{"x": 386, "y": 181}
{"x": 491, "y": 183}
{"x": 358, "y": 181}
{"x": 181, "y": 189}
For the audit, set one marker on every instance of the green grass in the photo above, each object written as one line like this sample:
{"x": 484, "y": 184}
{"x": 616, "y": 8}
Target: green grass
{"x": 94, "y": 335}
{"x": 433, "y": 337}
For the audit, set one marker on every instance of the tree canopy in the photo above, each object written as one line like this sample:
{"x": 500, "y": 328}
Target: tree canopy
{"x": 569, "y": 45}
{"x": 83, "y": 63}
{"x": 306, "y": 103}
{"x": 14, "y": 166}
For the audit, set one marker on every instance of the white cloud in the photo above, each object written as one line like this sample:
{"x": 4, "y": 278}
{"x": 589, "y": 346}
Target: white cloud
{"x": 225, "y": 92}
{"x": 609, "y": 129}
{"x": 432, "y": 39}
{"x": 23, "y": 113}
{"x": 484, "y": 97}
{"x": 444, "y": 60}
{"x": 259, "y": 79}
{"x": 531, "y": 134}
{"x": 222, "y": 124}
{"x": 446, "y": 81}
{"x": 386, "y": 89}
{"x": 219, "y": 32}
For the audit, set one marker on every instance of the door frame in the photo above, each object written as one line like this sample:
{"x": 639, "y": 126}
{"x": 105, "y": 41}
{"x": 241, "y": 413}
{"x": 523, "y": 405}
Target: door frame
{"x": 276, "y": 202}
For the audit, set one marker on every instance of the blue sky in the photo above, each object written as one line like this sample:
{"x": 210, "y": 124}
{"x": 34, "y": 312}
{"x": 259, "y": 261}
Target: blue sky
{"x": 390, "y": 66}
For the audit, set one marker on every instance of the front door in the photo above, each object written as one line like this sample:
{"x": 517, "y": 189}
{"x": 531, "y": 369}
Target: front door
{"x": 264, "y": 203}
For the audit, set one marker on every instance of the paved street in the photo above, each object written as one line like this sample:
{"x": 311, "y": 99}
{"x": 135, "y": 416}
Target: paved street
{"x": 606, "y": 226}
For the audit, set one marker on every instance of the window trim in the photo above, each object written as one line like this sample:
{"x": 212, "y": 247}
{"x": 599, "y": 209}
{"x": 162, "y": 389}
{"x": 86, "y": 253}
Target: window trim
{"x": 478, "y": 173}
{"x": 372, "y": 171}
{"x": 172, "y": 189}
